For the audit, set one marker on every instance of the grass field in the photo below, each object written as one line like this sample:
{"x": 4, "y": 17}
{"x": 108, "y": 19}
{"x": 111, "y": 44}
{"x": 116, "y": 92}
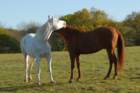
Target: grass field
{"x": 93, "y": 67}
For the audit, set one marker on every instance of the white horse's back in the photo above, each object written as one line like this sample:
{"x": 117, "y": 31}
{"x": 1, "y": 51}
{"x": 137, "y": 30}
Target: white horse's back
{"x": 30, "y": 45}
{"x": 26, "y": 42}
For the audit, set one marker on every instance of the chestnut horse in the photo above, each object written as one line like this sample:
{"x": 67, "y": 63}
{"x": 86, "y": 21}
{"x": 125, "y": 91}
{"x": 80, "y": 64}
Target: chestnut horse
{"x": 79, "y": 42}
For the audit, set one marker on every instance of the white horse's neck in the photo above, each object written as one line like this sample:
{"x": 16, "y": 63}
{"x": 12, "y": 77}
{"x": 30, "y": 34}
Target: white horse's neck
{"x": 43, "y": 31}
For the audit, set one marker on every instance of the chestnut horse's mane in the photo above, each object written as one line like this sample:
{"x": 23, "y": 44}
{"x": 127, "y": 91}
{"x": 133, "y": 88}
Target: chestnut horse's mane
{"x": 83, "y": 30}
{"x": 76, "y": 28}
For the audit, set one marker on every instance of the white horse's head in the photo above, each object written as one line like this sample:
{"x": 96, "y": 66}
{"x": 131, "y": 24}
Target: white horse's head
{"x": 53, "y": 24}
{"x": 56, "y": 23}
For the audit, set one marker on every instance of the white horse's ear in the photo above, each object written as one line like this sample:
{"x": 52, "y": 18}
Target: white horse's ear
{"x": 49, "y": 17}
{"x": 52, "y": 17}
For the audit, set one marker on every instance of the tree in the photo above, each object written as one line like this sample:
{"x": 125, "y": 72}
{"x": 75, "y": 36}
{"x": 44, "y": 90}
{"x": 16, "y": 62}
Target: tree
{"x": 132, "y": 22}
{"x": 56, "y": 42}
{"x": 8, "y": 44}
{"x": 26, "y": 28}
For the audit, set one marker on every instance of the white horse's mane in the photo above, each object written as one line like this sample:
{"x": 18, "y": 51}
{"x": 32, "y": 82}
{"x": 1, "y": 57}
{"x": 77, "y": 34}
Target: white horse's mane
{"x": 43, "y": 31}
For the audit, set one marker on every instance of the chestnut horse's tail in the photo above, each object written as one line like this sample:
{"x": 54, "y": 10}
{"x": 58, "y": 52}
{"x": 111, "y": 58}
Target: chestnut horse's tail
{"x": 120, "y": 46}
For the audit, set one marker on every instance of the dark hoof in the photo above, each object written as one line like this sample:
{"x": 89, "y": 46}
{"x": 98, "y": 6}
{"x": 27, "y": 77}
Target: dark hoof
{"x": 115, "y": 77}
{"x": 26, "y": 81}
{"x": 30, "y": 79}
{"x": 53, "y": 82}
{"x": 77, "y": 79}
{"x": 70, "y": 81}
{"x": 105, "y": 78}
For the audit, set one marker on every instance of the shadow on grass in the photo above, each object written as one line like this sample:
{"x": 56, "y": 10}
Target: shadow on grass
{"x": 23, "y": 87}
{"x": 136, "y": 77}
{"x": 34, "y": 86}
{"x": 20, "y": 87}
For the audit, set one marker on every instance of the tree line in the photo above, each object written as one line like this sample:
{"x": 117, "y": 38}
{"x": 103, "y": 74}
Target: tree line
{"x": 85, "y": 20}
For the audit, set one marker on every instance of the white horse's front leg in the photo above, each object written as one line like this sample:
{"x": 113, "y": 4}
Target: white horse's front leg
{"x": 49, "y": 60}
{"x": 37, "y": 60}
{"x": 27, "y": 68}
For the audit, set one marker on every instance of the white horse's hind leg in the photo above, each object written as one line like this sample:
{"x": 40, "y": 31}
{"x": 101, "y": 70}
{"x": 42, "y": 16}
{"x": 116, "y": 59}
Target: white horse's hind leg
{"x": 37, "y": 60}
{"x": 30, "y": 69}
{"x": 49, "y": 60}
{"x": 26, "y": 68}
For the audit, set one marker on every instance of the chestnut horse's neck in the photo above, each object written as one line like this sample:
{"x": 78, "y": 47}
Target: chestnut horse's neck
{"x": 68, "y": 33}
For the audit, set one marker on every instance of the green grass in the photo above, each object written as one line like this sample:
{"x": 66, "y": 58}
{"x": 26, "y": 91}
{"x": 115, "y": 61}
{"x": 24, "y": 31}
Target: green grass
{"x": 93, "y": 68}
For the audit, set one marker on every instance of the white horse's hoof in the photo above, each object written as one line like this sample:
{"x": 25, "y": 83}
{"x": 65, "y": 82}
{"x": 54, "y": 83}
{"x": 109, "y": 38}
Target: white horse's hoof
{"x": 53, "y": 82}
{"x": 26, "y": 80}
{"x": 39, "y": 84}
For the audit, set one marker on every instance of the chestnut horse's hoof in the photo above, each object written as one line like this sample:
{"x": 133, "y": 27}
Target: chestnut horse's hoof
{"x": 30, "y": 79}
{"x": 115, "y": 77}
{"x": 70, "y": 81}
{"x": 105, "y": 78}
{"x": 77, "y": 79}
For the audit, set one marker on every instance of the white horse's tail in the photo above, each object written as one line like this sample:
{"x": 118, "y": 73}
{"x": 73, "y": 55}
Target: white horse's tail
{"x": 22, "y": 44}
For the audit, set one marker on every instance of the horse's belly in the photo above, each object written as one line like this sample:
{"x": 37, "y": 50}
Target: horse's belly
{"x": 41, "y": 49}
{"x": 89, "y": 50}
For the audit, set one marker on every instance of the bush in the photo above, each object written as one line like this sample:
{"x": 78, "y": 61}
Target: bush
{"x": 8, "y": 44}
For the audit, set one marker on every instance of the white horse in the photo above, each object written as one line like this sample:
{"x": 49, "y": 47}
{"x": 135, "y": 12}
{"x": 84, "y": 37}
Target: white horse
{"x": 36, "y": 45}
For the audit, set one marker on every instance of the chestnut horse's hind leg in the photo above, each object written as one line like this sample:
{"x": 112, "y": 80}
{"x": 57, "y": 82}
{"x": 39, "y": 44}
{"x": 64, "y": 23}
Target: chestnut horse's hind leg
{"x": 110, "y": 64}
{"x": 72, "y": 58}
{"x": 116, "y": 67}
{"x": 78, "y": 67}
{"x": 112, "y": 59}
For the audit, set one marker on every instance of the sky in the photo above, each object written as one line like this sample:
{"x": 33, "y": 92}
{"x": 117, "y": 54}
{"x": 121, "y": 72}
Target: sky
{"x": 15, "y": 12}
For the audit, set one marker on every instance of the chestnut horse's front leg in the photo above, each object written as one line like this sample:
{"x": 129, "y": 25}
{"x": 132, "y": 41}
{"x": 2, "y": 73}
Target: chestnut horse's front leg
{"x": 78, "y": 67}
{"x": 72, "y": 59}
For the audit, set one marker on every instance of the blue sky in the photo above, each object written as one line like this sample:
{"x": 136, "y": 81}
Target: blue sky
{"x": 15, "y": 12}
